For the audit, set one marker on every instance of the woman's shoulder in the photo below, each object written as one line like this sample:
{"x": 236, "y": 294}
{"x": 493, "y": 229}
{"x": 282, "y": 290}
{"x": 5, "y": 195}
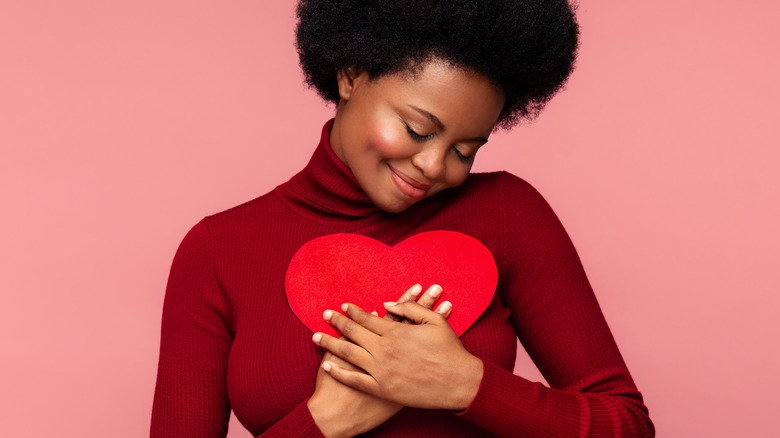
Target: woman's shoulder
{"x": 238, "y": 220}
{"x": 497, "y": 177}
{"x": 248, "y": 213}
{"x": 505, "y": 185}
{"x": 514, "y": 198}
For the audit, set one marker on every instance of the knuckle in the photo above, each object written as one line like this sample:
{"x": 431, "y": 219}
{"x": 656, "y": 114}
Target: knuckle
{"x": 345, "y": 350}
{"x": 355, "y": 381}
{"x": 347, "y": 328}
{"x": 357, "y": 316}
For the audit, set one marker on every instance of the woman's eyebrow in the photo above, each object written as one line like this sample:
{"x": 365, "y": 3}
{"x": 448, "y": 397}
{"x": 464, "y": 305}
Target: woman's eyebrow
{"x": 430, "y": 116}
{"x": 440, "y": 125}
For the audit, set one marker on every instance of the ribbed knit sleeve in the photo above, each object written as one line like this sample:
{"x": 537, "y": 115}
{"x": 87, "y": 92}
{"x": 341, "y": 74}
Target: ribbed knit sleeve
{"x": 298, "y": 423}
{"x": 191, "y": 397}
{"x": 560, "y": 324}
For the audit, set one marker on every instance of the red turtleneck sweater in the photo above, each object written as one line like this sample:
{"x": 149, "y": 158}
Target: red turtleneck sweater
{"x": 230, "y": 340}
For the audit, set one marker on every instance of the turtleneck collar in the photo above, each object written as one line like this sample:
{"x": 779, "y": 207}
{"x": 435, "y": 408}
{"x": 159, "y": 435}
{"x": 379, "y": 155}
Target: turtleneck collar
{"x": 326, "y": 186}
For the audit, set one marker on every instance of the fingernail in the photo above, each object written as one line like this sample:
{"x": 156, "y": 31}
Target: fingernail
{"x": 445, "y": 307}
{"x": 374, "y": 313}
{"x": 416, "y": 289}
{"x": 344, "y": 307}
{"x": 434, "y": 291}
{"x": 389, "y": 303}
{"x": 327, "y": 315}
{"x": 317, "y": 337}
{"x": 326, "y": 366}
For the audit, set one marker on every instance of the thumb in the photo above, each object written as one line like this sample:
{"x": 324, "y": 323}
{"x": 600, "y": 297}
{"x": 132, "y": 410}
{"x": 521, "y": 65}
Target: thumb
{"x": 414, "y": 312}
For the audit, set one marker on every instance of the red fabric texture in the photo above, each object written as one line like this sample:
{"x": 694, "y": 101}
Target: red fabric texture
{"x": 230, "y": 340}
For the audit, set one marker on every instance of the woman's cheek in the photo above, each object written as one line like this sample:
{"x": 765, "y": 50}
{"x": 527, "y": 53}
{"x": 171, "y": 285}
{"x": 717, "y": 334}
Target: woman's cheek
{"x": 458, "y": 174}
{"x": 389, "y": 142}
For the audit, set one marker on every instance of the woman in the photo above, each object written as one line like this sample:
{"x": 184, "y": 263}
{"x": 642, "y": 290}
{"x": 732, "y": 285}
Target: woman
{"x": 419, "y": 87}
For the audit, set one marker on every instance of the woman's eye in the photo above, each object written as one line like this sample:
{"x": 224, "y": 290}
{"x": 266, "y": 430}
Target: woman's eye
{"x": 415, "y": 136}
{"x": 462, "y": 157}
{"x": 420, "y": 138}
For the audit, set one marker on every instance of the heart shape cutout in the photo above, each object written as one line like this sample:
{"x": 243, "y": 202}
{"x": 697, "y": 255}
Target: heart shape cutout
{"x": 338, "y": 268}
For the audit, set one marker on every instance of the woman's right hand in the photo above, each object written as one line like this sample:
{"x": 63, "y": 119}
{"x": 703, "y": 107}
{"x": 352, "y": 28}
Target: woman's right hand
{"x": 339, "y": 410}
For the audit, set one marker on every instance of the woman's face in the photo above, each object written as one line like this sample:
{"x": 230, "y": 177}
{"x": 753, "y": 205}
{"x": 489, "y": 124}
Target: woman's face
{"x": 407, "y": 136}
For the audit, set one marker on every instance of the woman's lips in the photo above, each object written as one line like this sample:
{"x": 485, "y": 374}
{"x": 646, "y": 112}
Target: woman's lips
{"x": 407, "y": 185}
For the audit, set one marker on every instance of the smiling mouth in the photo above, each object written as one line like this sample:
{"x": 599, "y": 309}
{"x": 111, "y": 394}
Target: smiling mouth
{"x": 408, "y": 185}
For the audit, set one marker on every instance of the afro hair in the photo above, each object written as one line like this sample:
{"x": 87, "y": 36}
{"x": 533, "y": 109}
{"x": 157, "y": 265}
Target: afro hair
{"x": 525, "y": 47}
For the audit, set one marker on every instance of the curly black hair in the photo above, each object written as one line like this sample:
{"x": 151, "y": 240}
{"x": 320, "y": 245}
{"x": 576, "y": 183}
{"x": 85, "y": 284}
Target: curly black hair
{"x": 525, "y": 47}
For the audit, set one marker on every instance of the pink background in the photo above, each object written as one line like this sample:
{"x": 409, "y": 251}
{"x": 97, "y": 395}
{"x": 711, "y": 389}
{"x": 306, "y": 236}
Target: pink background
{"x": 123, "y": 123}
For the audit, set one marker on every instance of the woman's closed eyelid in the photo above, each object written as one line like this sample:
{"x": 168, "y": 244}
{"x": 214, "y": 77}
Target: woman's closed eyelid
{"x": 416, "y": 135}
{"x": 464, "y": 156}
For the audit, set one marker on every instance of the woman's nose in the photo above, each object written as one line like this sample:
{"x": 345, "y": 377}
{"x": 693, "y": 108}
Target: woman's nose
{"x": 430, "y": 161}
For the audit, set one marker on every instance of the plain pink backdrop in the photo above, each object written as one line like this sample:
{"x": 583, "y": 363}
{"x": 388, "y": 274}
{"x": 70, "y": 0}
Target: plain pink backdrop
{"x": 123, "y": 123}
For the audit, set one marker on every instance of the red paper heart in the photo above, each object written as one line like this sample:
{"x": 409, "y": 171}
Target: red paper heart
{"x": 339, "y": 268}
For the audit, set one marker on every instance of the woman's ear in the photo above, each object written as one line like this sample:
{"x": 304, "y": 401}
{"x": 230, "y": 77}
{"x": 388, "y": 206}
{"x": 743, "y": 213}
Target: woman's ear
{"x": 346, "y": 78}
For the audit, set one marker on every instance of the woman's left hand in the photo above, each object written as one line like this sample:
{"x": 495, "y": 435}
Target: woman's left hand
{"x": 422, "y": 365}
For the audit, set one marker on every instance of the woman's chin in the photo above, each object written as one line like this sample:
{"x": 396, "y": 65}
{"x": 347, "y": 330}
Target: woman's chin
{"x": 393, "y": 204}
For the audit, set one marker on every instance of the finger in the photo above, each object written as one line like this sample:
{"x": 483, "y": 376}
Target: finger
{"x": 366, "y": 320}
{"x": 328, "y": 356}
{"x": 429, "y": 298}
{"x": 332, "y": 358}
{"x": 414, "y": 312}
{"x": 345, "y": 350}
{"x": 444, "y": 309}
{"x": 411, "y": 294}
{"x": 354, "y": 379}
{"x": 349, "y": 328}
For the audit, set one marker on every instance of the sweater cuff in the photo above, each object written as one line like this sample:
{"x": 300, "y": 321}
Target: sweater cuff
{"x": 490, "y": 395}
{"x": 298, "y": 423}
{"x": 509, "y": 405}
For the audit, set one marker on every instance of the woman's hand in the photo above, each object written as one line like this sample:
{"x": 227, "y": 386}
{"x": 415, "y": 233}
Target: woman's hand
{"x": 420, "y": 365}
{"x": 339, "y": 410}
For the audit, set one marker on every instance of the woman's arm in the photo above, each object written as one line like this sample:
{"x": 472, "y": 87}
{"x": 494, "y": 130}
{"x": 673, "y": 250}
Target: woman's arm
{"x": 556, "y": 317}
{"x": 191, "y": 392}
{"x": 190, "y": 397}
{"x": 559, "y": 322}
